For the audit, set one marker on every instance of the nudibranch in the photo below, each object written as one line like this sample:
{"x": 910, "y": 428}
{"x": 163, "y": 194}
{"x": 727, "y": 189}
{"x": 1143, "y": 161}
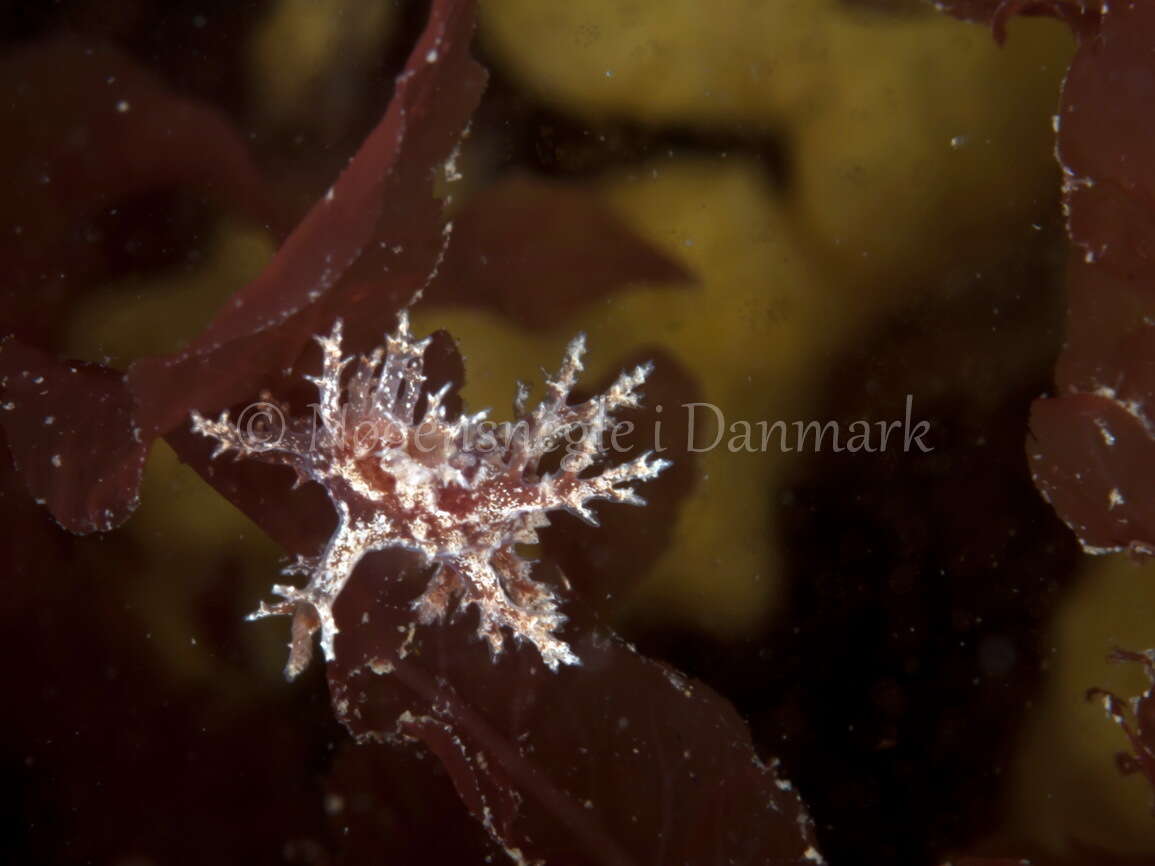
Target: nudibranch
{"x": 462, "y": 493}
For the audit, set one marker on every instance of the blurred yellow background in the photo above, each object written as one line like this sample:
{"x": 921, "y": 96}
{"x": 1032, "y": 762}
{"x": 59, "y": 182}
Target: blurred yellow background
{"x": 914, "y": 145}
